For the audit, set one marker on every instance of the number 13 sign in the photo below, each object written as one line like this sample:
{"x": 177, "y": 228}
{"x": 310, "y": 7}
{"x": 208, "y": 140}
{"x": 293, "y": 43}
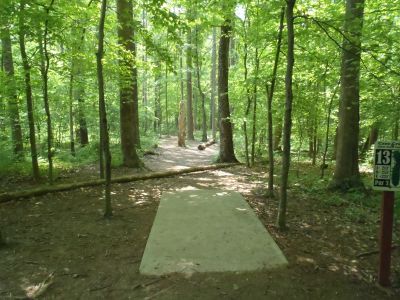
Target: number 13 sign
{"x": 387, "y": 166}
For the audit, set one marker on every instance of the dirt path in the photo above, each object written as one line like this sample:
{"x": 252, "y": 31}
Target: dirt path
{"x": 64, "y": 234}
{"x": 171, "y": 157}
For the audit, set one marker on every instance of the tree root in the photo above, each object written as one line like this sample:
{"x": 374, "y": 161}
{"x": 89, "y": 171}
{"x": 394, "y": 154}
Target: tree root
{"x": 8, "y": 196}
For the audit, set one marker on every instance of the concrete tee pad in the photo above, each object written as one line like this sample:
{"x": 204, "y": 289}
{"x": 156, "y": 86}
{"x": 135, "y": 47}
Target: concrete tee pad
{"x": 208, "y": 231}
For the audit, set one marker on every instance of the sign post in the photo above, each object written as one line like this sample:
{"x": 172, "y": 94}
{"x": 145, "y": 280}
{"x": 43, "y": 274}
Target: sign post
{"x": 386, "y": 179}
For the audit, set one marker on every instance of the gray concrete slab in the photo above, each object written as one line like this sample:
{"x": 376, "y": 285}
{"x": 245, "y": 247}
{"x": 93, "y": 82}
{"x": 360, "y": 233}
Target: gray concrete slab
{"x": 208, "y": 231}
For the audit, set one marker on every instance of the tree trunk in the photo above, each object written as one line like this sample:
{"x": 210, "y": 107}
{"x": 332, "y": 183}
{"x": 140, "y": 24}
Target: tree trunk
{"x": 213, "y": 81}
{"x": 202, "y": 95}
{"x": 79, "y": 93}
{"x": 371, "y": 139}
{"x": 45, "y": 64}
{"x": 144, "y": 72}
{"x": 346, "y": 171}
{"x": 28, "y": 92}
{"x": 12, "y": 103}
{"x": 226, "y": 150}
{"x": 182, "y": 124}
{"x": 328, "y": 124}
{"x": 248, "y": 93}
{"x": 157, "y": 103}
{"x": 190, "y": 122}
{"x": 166, "y": 97}
{"x": 287, "y": 129}
{"x": 254, "y": 132}
{"x": 278, "y": 136}
{"x": 270, "y": 93}
{"x": 71, "y": 111}
{"x": 128, "y": 89}
{"x": 102, "y": 111}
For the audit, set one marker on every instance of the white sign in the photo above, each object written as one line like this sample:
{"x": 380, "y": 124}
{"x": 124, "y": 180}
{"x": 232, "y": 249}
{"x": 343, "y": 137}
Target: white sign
{"x": 387, "y": 166}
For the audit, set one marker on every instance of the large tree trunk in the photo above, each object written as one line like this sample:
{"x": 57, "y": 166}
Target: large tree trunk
{"x": 28, "y": 92}
{"x": 128, "y": 89}
{"x": 346, "y": 171}
{"x": 287, "y": 129}
{"x": 213, "y": 82}
{"x": 103, "y": 114}
{"x": 226, "y": 150}
{"x": 270, "y": 92}
{"x": 11, "y": 94}
{"x": 189, "y": 87}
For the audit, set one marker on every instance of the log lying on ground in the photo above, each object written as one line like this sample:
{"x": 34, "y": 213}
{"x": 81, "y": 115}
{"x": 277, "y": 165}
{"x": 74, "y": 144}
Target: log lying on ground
{"x": 205, "y": 145}
{"x": 8, "y": 196}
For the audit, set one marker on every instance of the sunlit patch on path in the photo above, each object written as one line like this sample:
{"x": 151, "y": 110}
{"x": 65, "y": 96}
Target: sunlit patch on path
{"x": 208, "y": 231}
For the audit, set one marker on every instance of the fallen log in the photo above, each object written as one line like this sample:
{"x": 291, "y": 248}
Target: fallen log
{"x": 205, "y": 145}
{"x": 42, "y": 190}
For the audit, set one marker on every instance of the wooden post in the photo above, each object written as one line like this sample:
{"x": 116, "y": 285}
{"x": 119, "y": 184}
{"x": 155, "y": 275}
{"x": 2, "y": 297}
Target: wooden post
{"x": 386, "y": 238}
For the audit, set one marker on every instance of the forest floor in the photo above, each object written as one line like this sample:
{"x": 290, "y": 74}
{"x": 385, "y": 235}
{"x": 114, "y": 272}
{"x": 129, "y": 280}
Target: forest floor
{"x": 61, "y": 246}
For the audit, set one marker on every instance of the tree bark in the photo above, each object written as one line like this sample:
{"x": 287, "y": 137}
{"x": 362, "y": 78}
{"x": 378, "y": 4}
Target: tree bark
{"x": 12, "y": 103}
{"x": 189, "y": 87}
{"x": 45, "y": 64}
{"x": 8, "y": 196}
{"x": 102, "y": 110}
{"x": 71, "y": 112}
{"x": 28, "y": 92}
{"x": 248, "y": 93}
{"x": 213, "y": 82}
{"x": 202, "y": 94}
{"x": 182, "y": 124}
{"x": 347, "y": 174}
{"x": 270, "y": 93}
{"x": 371, "y": 139}
{"x": 287, "y": 129}
{"x": 254, "y": 132}
{"x": 128, "y": 89}
{"x": 226, "y": 150}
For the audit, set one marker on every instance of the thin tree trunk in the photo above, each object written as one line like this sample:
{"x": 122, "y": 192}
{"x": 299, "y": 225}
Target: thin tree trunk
{"x": 254, "y": 135}
{"x": 190, "y": 122}
{"x": 287, "y": 130}
{"x": 226, "y": 149}
{"x": 328, "y": 124}
{"x": 213, "y": 81}
{"x": 45, "y": 64}
{"x": 144, "y": 80}
{"x": 248, "y": 93}
{"x": 270, "y": 93}
{"x": 71, "y": 112}
{"x": 202, "y": 94}
{"x": 28, "y": 91}
{"x": 347, "y": 173}
{"x": 12, "y": 103}
{"x": 102, "y": 110}
{"x": 166, "y": 97}
{"x": 182, "y": 124}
